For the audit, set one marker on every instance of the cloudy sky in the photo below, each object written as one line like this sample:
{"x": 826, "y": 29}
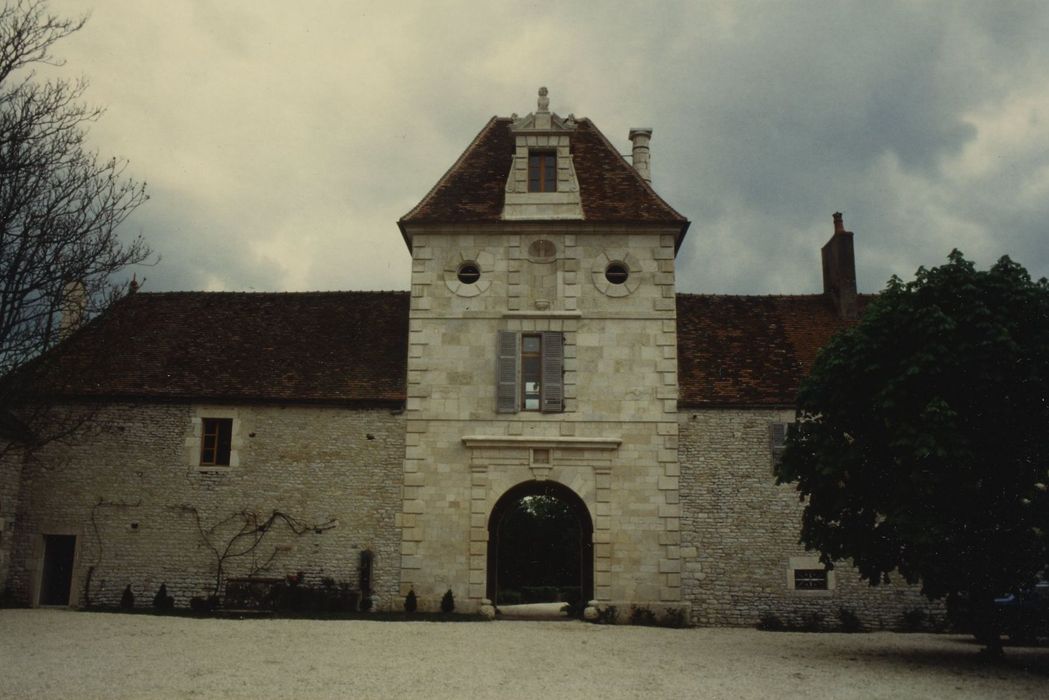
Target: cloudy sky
{"x": 282, "y": 141}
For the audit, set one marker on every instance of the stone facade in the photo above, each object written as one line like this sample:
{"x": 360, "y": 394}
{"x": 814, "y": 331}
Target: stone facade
{"x": 680, "y": 500}
{"x": 614, "y": 444}
{"x": 740, "y": 533}
{"x": 122, "y": 485}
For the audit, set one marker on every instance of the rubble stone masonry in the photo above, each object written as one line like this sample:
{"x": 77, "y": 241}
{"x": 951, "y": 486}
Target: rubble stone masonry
{"x": 739, "y": 534}
{"x": 128, "y": 485}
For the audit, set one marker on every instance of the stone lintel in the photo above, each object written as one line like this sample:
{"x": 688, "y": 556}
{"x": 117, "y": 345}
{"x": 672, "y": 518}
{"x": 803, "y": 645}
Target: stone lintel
{"x": 561, "y": 442}
{"x": 543, "y": 314}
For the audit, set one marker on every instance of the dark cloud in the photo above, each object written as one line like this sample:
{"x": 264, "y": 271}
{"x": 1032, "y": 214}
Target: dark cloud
{"x": 282, "y": 143}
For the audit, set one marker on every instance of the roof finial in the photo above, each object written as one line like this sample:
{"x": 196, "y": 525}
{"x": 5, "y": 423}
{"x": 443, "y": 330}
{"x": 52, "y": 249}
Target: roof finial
{"x": 839, "y": 223}
{"x": 544, "y": 101}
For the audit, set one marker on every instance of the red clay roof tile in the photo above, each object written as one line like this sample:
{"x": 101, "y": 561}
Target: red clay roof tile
{"x": 473, "y": 188}
{"x": 316, "y": 346}
{"x": 749, "y": 351}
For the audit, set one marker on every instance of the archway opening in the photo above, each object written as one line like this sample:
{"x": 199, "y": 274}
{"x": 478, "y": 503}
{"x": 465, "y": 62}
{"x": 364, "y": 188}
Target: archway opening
{"x": 540, "y": 546}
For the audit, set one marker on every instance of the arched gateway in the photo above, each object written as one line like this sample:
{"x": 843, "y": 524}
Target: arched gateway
{"x": 540, "y": 537}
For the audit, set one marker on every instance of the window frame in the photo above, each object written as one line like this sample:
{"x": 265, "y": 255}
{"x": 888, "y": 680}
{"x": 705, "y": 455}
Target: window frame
{"x": 522, "y": 391}
{"x": 510, "y": 378}
{"x": 216, "y": 435}
{"x": 811, "y": 579}
{"x": 777, "y": 441}
{"x": 542, "y": 170}
{"x": 810, "y": 564}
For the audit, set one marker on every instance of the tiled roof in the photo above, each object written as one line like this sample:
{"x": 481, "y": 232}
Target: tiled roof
{"x": 473, "y": 188}
{"x": 749, "y": 350}
{"x": 351, "y": 347}
{"x": 317, "y": 346}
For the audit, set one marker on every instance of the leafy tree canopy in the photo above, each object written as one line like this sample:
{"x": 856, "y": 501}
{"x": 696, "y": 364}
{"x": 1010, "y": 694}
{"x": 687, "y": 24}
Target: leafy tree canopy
{"x": 922, "y": 440}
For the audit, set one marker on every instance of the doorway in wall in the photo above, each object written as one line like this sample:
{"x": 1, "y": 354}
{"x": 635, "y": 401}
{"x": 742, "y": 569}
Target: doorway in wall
{"x": 540, "y": 546}
{"x": 57, "y": 578}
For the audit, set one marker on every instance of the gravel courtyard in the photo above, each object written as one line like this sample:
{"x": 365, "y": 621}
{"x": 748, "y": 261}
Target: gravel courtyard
{"x": 65, "y": 654}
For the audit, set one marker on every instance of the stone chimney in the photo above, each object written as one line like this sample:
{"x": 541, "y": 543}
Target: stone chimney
{"x": 640, "y": 154}
{"x": 73, "y": 308}
{"x": 839, "y": 270}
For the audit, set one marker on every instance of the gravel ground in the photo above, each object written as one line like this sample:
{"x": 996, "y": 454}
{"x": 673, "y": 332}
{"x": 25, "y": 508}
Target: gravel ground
{"x": 66, "y": 654}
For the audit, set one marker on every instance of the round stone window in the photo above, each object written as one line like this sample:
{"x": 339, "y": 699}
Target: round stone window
{"x": 617, "y": 272}
{"x": 469, "y": 272}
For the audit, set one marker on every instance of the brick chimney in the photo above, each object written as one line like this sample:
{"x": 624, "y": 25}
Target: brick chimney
{"x": 640, "y": 155}
{"x": 839, "y": 270}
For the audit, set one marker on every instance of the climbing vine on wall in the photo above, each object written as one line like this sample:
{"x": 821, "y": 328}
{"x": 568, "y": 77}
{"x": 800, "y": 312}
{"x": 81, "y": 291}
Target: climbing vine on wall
{"x": 241, "y": 534}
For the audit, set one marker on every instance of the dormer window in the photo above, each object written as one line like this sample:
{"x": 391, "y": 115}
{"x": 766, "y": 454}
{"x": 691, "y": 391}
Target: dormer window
{"x": 542, "y": 171}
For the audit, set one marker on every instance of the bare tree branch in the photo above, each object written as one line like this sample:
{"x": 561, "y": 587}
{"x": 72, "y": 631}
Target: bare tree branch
{"x": 60, "y": 203}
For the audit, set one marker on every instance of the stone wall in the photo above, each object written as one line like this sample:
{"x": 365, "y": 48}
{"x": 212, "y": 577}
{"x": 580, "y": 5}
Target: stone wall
{"x": 739, "y": 533}
{"x": 128, "y": 486}
{"x": 10, "y": 482}
{"x": 614, "y": 444}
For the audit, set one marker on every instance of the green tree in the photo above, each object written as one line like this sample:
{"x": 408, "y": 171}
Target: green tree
{"x": 922, "y": 437}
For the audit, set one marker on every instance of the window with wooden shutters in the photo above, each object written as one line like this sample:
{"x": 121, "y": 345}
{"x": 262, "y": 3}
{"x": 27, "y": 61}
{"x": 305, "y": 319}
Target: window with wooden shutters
{"x": 553, "y": 392}
{"x": 506, "y": 373}
{"x": 777, "y": 441}
{"x": 530, "y": 368}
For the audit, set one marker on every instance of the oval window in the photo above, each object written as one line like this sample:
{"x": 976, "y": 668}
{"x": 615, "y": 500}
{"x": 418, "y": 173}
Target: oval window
{"x": 469, "y": 273}
{"x": 616, "y": 273}
{"x": 542, "y": 249}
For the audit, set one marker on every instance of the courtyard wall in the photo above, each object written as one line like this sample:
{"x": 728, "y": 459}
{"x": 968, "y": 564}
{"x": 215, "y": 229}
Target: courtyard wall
{"x": 128, "y": 484}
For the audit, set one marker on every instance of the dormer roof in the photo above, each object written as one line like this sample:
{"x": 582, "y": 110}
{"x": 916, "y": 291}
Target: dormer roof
{"x": 474, "y": 189}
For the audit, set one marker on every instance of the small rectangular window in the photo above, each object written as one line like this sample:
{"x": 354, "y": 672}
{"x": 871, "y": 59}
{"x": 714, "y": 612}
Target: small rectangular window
{"x": 777, "y": 441}
{"x": 216, "y": 440}
{"x": 542, "y": 171}
{"x": 810, "y": 579}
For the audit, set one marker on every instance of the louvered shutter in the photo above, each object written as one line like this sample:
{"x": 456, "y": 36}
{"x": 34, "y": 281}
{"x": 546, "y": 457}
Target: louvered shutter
{"x": 506, "y": 373}
{"x": 778, "y": 440}
{"x": 553, "y": 369}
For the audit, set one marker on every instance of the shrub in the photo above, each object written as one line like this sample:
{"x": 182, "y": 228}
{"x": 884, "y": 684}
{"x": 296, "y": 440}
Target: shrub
{"x": 849, "y": 621}
{"x": 411, "y": 603}
{"x": 366, "y": 603}
{"x": 607, "y": 615}
{"x": 914, "y": 620}
{"x": 642, "y": 616}
{"x": 448, "y": 602}
{"x": 162, "y": 601}
{"x": 204, "y": 606}
{"x": 674, "y": 617}
{"x": 574, "y": 605}
{"x": 127, "y": 599}
{"x": 811, "y": 622}
{"x": 770, "y": 622}
{"x": 509, "y": 597}
{"x": 8, "y": 599}
{"x": 540, "y": 594}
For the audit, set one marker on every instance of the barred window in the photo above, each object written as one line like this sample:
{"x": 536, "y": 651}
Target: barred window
{"x": 810, "y": 579}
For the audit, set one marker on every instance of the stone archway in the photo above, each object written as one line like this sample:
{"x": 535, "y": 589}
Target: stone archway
{"x": 540, "y": 536}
